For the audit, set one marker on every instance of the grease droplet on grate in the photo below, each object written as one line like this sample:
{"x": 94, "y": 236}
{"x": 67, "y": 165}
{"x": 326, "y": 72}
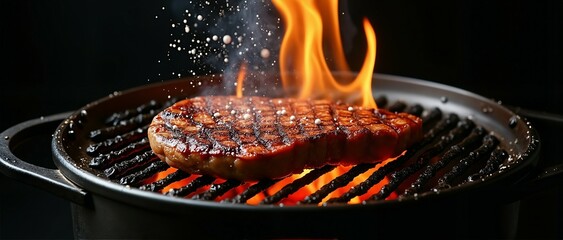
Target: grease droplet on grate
{"x": 513, "y": 121}
{"x": 444, "y": 99}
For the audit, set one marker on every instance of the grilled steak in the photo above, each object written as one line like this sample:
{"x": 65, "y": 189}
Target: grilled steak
{"x": 253, "y": 138}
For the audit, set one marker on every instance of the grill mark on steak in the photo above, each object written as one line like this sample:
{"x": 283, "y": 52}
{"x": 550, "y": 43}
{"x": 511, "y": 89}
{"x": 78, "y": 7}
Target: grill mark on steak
{"x": 262, "y": 128}
{"x": 216, "y": 130}
{"x": 281, "y": 114}
{"x": 190, "y": 133}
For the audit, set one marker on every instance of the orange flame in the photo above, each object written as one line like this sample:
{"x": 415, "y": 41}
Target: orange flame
{"x": 302, "y": 57}
{"x": 240, "y": 78}
{"x": 309, "y": 25}
{"x": 305, "y": 49}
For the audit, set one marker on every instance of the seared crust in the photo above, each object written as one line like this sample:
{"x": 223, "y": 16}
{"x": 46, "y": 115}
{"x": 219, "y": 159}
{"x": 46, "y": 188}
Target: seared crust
{"x": 253, "y": 138}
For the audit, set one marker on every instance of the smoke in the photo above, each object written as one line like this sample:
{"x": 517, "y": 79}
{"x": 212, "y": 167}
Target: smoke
{"x": 217, "y": 37}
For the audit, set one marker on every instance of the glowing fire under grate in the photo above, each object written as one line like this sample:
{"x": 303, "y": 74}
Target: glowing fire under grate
{"x": 454, "y": 150}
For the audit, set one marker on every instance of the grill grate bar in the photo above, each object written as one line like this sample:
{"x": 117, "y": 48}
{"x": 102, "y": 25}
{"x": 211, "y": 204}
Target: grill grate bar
{"x": 123, "y": 127}
{"x": 192, "y": 186}
{"x": 381, "y": 101}
{"x": 161, "y": 183}
{"x": 489, "y": 142}
{"x": 433, "y": 116}
{"x": 253, "y": 190}
{"x": 336, "y": 183}
{"x": 117, "y": 117}
{"x": 117, "y": 142}
{"x": 415, "y": 109}
{"x": 216, "y": 190}
{"x": 458, "y": 133}
{"x": 452, "y": 153}
{"x": 126, "y": 167}
{"x": 297, "y": 184}
{"x": 397, "y": 106}
{"x": 498, "y": 156}
{"x": 104, "y": 160}
{"x": 134, "y": 178}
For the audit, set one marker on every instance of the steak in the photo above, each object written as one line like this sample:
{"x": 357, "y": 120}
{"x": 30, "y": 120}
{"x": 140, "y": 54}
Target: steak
{"x": 252, "y": 138}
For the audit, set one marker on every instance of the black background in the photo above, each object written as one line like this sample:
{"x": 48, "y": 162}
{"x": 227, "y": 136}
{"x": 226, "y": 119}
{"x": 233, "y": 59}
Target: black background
{"x": 60, "y": 55}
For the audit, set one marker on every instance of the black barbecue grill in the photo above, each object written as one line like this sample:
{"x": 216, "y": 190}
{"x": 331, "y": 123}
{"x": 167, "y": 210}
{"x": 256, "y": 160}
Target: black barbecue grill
{"x": 475, "y": 153}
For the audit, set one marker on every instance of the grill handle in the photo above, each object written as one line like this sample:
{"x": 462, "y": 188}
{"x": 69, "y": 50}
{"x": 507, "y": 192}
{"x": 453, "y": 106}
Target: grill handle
{"x": 28, "y": 171}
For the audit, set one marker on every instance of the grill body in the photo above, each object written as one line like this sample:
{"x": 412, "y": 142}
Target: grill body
{"x": 106, "y": 209}
{"x": 457, "y": 218}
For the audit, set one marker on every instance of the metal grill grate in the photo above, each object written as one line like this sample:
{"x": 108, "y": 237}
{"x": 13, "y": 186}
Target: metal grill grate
{"x": 454, "y": 150}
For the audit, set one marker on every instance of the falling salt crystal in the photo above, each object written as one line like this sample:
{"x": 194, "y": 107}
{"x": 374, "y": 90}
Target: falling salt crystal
{"x": 187, "y": 29}
{"x": 217, "y": 114}
{"x": 227, "y": 39}
{"x": 173, "y": 25}
{"x": 350, "y": 108}
{"x": 214, "y": 37}
{"x": 281, "y": 112}
{"x": 233, "y": 112}
{"x": 246, "y": 116}
{"x": 199, "y": 17}
{"x": 291, "y": 118}
{"x": 265, "y": 53}
{"x": 318, "y": 121}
